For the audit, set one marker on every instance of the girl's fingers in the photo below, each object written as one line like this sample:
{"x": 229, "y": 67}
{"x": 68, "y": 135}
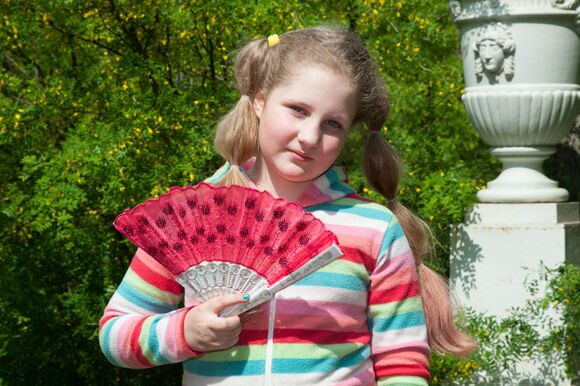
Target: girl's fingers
{"x": 231, "y": 323}
{"x": 227, "y": 334}
{"x": 251, "y": 314}
{"x": 218, "y": 304}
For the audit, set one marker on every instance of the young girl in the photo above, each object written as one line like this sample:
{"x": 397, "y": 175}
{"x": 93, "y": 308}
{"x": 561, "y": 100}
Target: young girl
{"x": 365, "y": 319}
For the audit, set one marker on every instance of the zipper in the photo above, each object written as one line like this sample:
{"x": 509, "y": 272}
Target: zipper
{"x": 270, "y": 343}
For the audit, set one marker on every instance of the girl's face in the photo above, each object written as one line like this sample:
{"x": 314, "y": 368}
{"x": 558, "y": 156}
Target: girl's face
{"x": 304, "y": 123}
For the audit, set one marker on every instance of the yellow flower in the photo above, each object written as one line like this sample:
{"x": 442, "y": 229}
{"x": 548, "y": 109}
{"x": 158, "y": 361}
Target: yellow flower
{"x": 417, "y": 190}
{"x": 125, "y": 86}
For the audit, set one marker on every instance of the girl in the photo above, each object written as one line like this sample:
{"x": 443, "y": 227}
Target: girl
{"x": 358, "y": 321}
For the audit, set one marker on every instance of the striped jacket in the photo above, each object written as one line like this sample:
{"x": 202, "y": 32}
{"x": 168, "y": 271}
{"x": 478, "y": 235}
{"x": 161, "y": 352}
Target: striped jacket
{"x": 357, "y": 321}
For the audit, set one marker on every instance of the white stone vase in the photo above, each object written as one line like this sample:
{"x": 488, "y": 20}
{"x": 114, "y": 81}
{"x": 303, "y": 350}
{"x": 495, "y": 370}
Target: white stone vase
{"x": 521, "y": 67}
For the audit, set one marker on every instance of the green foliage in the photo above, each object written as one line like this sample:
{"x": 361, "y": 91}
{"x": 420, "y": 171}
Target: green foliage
{"x": 104, "y": 103}
{"x": 544, "y": 332}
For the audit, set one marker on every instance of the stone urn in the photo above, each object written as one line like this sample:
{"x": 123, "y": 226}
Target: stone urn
{"x": 520, "y": 63}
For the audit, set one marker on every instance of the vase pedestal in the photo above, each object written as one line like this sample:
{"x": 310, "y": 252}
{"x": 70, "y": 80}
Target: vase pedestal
{"x": 522, "y": 179}
{"x": 501, "y": 247}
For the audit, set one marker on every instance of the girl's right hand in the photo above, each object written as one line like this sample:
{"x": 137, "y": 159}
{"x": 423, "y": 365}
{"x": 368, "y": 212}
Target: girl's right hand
{"x": 204, "y": 330}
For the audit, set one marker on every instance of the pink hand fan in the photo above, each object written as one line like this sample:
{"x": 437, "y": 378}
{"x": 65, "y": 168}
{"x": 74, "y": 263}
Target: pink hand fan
{"x": 229, "y": 239}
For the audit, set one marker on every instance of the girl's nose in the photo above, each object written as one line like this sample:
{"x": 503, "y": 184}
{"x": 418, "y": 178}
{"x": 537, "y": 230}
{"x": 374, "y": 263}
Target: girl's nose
{"x": 309, "y": 134}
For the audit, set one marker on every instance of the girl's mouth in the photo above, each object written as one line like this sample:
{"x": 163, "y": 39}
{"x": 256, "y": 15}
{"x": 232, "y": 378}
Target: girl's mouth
{"x": 299, "y": 156}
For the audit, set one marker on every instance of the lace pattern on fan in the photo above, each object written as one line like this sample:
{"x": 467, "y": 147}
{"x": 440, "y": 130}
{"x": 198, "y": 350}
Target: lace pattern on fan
{"x": 211, "y": 278}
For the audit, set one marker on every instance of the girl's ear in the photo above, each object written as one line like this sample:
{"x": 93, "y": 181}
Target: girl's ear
{"x": 259, "y": 102}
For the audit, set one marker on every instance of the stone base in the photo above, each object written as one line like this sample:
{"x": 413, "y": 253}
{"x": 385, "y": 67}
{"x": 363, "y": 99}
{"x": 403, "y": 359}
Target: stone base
{"x": 501, "y": 246}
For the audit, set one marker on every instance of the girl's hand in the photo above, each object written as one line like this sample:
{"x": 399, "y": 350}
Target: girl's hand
{"x": 206, "y": 331}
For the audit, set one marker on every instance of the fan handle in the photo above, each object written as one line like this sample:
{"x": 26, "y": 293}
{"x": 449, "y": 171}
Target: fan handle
{"x": 264, "y": 294}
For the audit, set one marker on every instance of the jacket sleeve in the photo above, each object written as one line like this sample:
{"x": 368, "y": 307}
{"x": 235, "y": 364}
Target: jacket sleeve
{"x": 142, "y": 326}
{"x": 396, "y": 318}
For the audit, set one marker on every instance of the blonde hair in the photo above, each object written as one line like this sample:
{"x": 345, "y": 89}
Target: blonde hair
{"x": 259, "y": 68}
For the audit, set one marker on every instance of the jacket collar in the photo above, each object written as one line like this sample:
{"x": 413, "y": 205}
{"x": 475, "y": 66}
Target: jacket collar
{"x": 331, "y": 185}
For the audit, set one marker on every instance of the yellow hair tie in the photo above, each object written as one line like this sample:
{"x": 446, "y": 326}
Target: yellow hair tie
{"x": 273, "y": 40}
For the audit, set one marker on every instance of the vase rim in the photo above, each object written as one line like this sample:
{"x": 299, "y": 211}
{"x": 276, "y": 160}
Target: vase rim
{"x": 490, "y": 15}
{"x": 525, "y": 87}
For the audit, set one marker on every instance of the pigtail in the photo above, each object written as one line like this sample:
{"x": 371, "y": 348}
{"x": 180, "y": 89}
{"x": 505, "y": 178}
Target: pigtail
{"x": 236, "y": 137}
{"x": 437, "y": 301}
{"x": 382, "y": 169}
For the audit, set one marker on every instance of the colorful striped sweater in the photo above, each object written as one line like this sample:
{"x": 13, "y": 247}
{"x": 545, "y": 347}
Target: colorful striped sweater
{"x": 356, "y": 321}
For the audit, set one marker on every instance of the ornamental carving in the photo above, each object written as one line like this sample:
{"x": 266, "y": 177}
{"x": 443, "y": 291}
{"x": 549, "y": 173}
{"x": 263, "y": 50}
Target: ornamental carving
{"x": 569, "y": 5}
{"x": 494, "y": 50}
{"x": 476, "y": 9}
{"x": 565, "y": 4}
{"x": 455, "y": 8}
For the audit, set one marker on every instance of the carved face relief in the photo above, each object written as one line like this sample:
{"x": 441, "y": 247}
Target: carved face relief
{"x": 494, "y": 51}
{"x": 491, "y": 54}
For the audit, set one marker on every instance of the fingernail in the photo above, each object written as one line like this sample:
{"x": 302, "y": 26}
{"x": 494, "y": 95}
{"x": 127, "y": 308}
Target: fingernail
{"x": 246, "y": 297}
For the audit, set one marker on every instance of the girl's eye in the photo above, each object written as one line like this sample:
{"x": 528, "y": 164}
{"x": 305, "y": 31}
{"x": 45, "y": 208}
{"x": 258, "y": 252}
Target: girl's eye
{"x": 298, "y": 109}
{"x": 334, "y": 124}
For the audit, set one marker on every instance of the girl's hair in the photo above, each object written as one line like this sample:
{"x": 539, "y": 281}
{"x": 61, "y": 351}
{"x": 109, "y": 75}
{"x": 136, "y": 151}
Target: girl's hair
{"x": 259, "y": 68}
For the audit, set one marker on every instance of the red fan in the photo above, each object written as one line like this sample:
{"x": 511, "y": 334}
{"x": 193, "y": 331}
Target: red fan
{"x": 234, "y": 239}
